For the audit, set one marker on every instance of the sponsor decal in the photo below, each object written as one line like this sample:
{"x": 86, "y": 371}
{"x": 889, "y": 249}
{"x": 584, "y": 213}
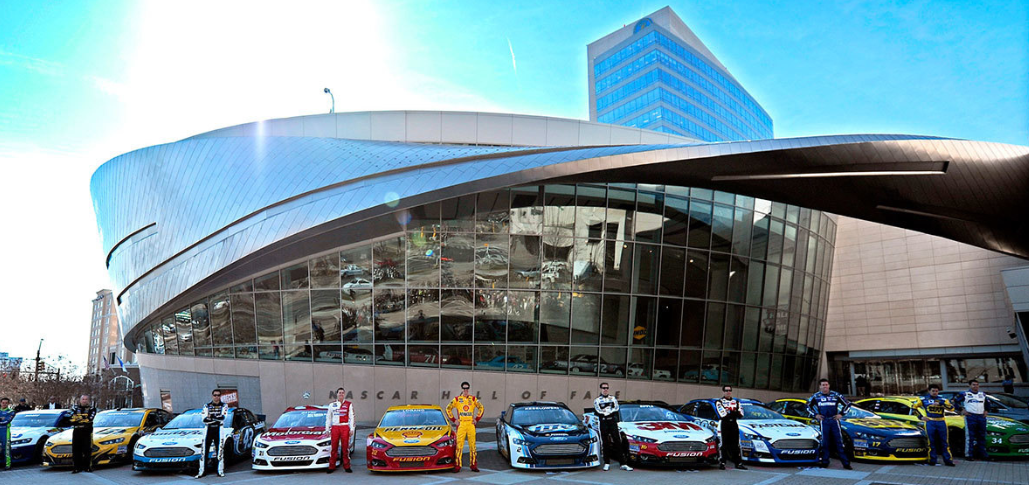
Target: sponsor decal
{"x": 792, "y": 434}
{"x": 681, "y": 436}
{"x": 775, "y": 425}
{"x": 668, "y": 426}
{"x": 291, "y": 458}
{"x": 411, "y": 434}
{"x": 410, "y": 441}
{"x": 169, "y": 443}
{"x": 797, "y": 452}
{"x": 634, "y": 448}
{"x": 272, "y": 434}
{"x": 409, "y": 428}
{"x": 679, "y": 454}
{"x": 169, "y": 460}
{"x": 540, "y": 408}
{"x": 910, "y": 450}
{"x": 292, "y": 442}
{"x": 411, "y": 458}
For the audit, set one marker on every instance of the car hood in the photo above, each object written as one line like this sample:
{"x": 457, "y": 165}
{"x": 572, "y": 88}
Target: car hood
{"x": 23, "y": 432}
{"x": 317, "y": 433}
{"x": 412, "y": 435}
{"x": 178, "y": 437}
{"x": 552, "y": 430}
{"x": 666, "y": 430}
{"x": 99, "y": 434}
{"x": 998, "y": 424}
{"x": 775, "y": 429}
{"x": 890, "y": 425}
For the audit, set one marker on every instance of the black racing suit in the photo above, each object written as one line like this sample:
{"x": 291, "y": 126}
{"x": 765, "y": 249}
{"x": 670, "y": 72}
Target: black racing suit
{"x": 729, "y": 410}
{"x": 606, "y": 408}
{"x": 82, "y": 437}
{"x": 214, "y": 415}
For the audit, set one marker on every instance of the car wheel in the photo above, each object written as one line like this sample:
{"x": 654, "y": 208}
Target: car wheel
{"x": 619, "y": 373}
{"x": 956, "y": 441}
{"x": 40, "y": 448}
{"x": 132, "y": 447}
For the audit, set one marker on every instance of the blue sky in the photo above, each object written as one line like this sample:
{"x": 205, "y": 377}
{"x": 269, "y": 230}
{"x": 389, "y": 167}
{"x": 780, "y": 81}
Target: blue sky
{"x": 81, "y": 82}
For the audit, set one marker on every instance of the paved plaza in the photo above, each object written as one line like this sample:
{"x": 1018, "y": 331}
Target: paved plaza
{"x": 495, "y": 471}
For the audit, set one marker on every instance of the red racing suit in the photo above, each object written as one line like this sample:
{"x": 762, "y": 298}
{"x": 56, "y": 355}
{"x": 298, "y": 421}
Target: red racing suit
{"x": 339, "y": 421}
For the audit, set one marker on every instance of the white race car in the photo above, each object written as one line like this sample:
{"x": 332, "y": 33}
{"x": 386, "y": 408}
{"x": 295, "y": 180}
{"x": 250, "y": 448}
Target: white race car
{"x": 30, "y": 431}
{"x": 765, "y": 435}
{"x": 297, "y": 441}
{"x": 177, "y": 446}
{"x": 653, "y": 434}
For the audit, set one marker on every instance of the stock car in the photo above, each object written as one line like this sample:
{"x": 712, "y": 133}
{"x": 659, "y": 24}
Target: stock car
{"x": 1000, "y": 405}
{"x": 30, "y": 431}
{"x": 115, "y": 433}
{"x": 177, "y": 446}
{"x": 546, "y": 435}
{"x": 297, "y": 441}
{"x": 765, "y": 435}
{"x": 1005, "y": 438}
{"x": 866, "y": 435}
{"x": 415, "y": 437}
{"x": 654, "y": 434}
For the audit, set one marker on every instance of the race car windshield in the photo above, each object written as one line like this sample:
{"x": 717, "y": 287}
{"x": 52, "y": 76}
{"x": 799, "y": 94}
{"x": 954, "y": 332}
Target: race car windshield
{"x": 533, "y": 415}
{"x": 117, "y": 420}
{"x": 1009, "y": 401}
{"x": 302, "y": 419}
{"x": 34, "y": 420}
{"x": 857, "y": 413}
{"x": 193, "y": 420}
{"x": 753, "y": 411}
{"x": 649, "y": 413}
{"x": 413, "y": 417}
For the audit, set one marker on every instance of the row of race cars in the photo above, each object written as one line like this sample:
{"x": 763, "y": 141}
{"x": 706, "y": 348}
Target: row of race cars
{"x": 530, "y": 435}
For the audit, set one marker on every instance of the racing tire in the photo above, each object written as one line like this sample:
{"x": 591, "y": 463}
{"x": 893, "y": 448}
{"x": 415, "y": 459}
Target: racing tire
{"x": 37, "y": 457}
{"x": 956, "y": 441}
{"x": 626, "y": 457}
{"x": 132, "y": 448}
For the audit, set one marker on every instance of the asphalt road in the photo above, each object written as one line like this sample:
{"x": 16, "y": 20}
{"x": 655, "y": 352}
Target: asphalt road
{"x": 495, "y": 471}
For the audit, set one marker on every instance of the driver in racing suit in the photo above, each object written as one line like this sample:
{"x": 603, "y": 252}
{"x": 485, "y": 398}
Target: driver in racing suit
{"x": 469, "y": 411}
{"x": 935, "y": 426}
{"x": 6, "y": 415}
{"x": 214, "y": 414}
{"x": 339, "y": 422}
{"x": 605, "y": 406}
{"x": 729, "y": 410}
{"x": 828, "y": 408}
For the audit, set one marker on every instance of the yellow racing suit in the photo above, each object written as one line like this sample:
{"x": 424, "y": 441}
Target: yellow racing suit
{"x": 469, "y": 411}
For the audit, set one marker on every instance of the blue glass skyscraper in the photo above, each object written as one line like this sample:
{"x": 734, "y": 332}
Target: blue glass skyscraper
{"x": 656, "y": 74}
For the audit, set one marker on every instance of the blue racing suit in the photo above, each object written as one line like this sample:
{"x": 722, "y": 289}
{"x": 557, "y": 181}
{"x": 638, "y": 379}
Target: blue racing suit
{"x": 6, "y": 415}
{"x": 976, "y": 406}
{"x": 829, "y": 405}
{"x": 936, "y": 426}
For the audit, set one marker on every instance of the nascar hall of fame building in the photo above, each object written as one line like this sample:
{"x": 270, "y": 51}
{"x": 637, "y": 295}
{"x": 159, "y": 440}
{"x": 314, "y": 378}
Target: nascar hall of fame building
{"x": 668, "y": 246}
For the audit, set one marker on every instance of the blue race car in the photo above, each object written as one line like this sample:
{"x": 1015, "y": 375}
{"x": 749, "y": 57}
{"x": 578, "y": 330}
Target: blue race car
{"x": 31, "y": 429}
{"x": 177, "y": 445}
{"x": 546, "y": 435}
{"x": 765, "y": 435}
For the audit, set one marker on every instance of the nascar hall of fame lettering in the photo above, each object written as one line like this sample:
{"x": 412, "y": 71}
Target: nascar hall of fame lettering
{"x": 413, "y": 396}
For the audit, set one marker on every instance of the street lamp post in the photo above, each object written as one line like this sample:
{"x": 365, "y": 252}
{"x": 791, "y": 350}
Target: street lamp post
{"x": 333, "y": 109}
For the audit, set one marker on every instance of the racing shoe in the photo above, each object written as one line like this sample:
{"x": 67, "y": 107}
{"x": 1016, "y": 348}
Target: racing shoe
{"x": 348, "y": 470}
{"x": 607, "y": 466}
{"x": 846, "y": 466}
{"x": 457, "y": 469}
{"x": 627, "y": 468}
{"x": 741, "y": 466}
{"x": 949, "y": 463}
{"x": 721, "y": 466}
{"x": 330, "y": 470}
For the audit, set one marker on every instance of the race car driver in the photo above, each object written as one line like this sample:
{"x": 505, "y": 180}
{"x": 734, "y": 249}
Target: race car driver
{"x": 935, "y": 426}
{"x": 975, "y": 407}
{"x": 469, "y": 412}
{"x": 82, "y": 435}
{"x": 339, "y": 420}
{"x": 729, "y": 410}
{"x": 214, "y": 414}
{"x": 828, "y": 408}
{"x": 6, "y": 415}
{"x": 606, "y": 408}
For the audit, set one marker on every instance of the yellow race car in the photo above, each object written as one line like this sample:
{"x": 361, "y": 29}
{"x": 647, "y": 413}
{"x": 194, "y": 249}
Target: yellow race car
{"x": 867, "y": 436}
{"x": 411, "y": 438}
{"x": 1005, "y": 437}
{"x": 114, "y": 435}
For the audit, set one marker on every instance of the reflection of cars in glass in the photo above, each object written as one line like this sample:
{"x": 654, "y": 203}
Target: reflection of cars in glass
{"x": 357, "y": 284}
{"x": 710, "y": 373}
{"x": 589, "y": 364}
{"x": 765, "y": 435}
{"x": 654, "y": 434}
{"x": 1000, "y": 405}
{"x": 297, "y": 441}
{"x": 358, "y": 356}
{"x": 866, "y": 436}
{"x": 30, "y": 431}
{"x": 412, "y": 437}
{"x": 177, "y": 446}
{"x": 499, "y": 361}
{"x": 351, "y": 270}
{"x": 639, "y": 370}
{"x": 530, "y": 273}
{"x": 546, "y": 435}
{"x": 115, "y": 433}
{"x": 1004, "y": 437}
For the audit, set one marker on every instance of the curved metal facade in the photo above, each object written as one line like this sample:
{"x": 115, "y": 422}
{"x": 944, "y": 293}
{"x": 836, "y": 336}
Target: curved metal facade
{"x": 176, "y": 218}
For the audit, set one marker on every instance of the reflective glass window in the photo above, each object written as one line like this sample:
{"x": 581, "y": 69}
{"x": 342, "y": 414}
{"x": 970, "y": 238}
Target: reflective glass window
{"x": 586, "y": 311}
{"x": 388, "y": 268}
{"x": 457, "y": 261}
{"x": 325, "y": 271}
{"x": 455, "y": 356}
{"x": 617, "y": 319}
{"x": 493, "y": 212}
{"x": 618, "y": 267}
{"x": 423, "y": 259}
{"x": 645, "y": 269}
{"x": 734, "y": 323}
{"x": 730, "y": 368}
{"x": 521, "y": 358}
{"x": 612, "y": 362}
{"x": 184, "y": 331}
{"x": 789, "y": 248}
{"x": 221, "y": 325}
{"x": 649, "y": 217}
{"x": 201, "y": 326}
{"x": 244, "y": 287}
{"x": 645, "y": 320}
{"x": 689, "y": 366}
{"x": 714, "y": 325}
{"x": 358, "y": 354}
{"x": 711, "y": 371}
{"x": 590, "y": 211}
{"x": 589, "y": 263}
{"x": 423, "y": 355}
{"x": 425, "y": 218}
{"x": 666, "y": 363}
{"x": 243, "y": 330}
{"x": 522, "y": 316}
{"x": 583, "y": 361}
{"x": 751, "y": 329}
{"x": 769, "y": 320}
{"x": 621, "y": 212}
{"x": 295, "y": 277}
{"x": 738, "y": 279}
{"x": 268, "y": 307}
{"x": 558, "y": 261}
{"x": 676, "y": 220}
{"x": 700, "y": 224}
{"x": 268, "y": 282}
{"x": 669, "y": 321}
{"x": 296, "y": 323}
{"x": 456, "y": 316}
{"x": 423, "y": 319}
{"x": 325, "y": 316}
{"x": 458, "y": 214}
{"x": 721, "y": 228}
{"x": 763, "y": 362}
{"x": 771, "y": 286}
{"x": 719, "y": 277}
{"x": 673, "y": 274}
{"x": 388, "y": 314}
{"x": 553, "y": 360}
{"x": 526, "y": 210}
{"x": 491, "y": 261}
{"x": 356, "y": 268}
{"x": 171, "y": 346}
{"x": 741, "y": 231}
{"x": 747, "y": 361}
{"x": 389, "y": 354}
{"x": 696, "y": 273}
{"x": 525, "y": 269}
{"x": 775, "y": 240}
{"x": 490, "y": 315}
{"x": 555, "y": 315}
{"x": 559, "y": 212}
{"x": 692, "y": 333}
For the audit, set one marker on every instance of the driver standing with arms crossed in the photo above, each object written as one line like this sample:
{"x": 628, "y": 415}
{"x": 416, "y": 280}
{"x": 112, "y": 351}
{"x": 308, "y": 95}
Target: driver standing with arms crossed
{"x": 606, "y": 408}
{"x": 729, "y": 410}
{"x": 828, "y": 408}
{"x": 82, "y": 435}
{"x": 469, "y": 412}
{"x": 975, "y": 407}
{"x": 213, "y": 414}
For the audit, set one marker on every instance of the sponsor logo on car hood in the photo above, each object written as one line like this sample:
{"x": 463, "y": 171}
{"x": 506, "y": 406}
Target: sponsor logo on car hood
{"x": 179, "y": 437}
{"x": 775, "y": 429}
{"x": 889, "y": 424}
{"x": 554, "y": 428}
{"x": 412, "y": 435}
{"x": 316, "y": 433}
{"x": 666, "y": 430}
{"x": 1005, "y": 425}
